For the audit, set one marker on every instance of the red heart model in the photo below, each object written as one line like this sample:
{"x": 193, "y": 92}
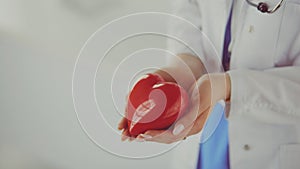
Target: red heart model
{"x": 154, "y": 104}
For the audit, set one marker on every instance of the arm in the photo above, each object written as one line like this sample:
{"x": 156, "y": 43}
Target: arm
{"x": 188, "y": 68}
{"x": 184, "y": 72}
{"x": 277, "y": 89}
{"x": 272, "y": 96}
{"x": 209, "y": 89}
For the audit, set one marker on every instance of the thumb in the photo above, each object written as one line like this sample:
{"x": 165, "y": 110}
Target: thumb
{"x": 200, "y": 101}
{"x": 186, "y": 121}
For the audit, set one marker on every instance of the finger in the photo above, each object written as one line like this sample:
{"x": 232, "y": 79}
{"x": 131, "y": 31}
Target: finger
{"x": 148, "y": 135}
{"x": 162, "y": 136}
{"x": 131, "y": 139}
{"x": 122, "y": 124}
{"x": 152, "y": 135}
{"x": 125, "y": 135}
{"x": 199, "y": 122}
{"x": 159, "y": 136}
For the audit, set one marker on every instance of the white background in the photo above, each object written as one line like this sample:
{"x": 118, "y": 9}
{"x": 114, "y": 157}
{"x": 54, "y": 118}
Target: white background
{"x": 39, "y": 44}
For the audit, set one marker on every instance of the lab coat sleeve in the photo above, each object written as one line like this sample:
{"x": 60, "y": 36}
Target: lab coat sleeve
{"x": 185, "y": 27}
{"x": 276, "y": 90}
{"x": 189, "y": 38}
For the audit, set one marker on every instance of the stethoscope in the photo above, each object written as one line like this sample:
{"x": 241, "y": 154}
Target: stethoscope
{"x": 264, "y": 7}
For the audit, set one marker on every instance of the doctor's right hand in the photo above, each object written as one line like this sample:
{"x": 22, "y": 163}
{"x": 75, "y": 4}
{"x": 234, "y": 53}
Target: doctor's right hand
{"x": 207, "y": 91}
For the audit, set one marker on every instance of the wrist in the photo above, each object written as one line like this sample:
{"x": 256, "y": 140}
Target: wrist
{"x": 220, "y": 85}
{"x": 227, "y": 87}
{"x": 165, "y": 75}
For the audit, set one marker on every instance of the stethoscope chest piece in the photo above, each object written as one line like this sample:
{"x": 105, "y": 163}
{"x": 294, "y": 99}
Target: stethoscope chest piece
{"x": 263, "y": 7}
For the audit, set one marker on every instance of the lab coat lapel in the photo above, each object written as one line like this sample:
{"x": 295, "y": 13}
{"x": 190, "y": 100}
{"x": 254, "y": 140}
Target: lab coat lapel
{"x": 256, "y": 38}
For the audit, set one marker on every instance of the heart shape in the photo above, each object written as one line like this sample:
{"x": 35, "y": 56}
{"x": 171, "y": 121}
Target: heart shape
{"x": 154, "y": 104}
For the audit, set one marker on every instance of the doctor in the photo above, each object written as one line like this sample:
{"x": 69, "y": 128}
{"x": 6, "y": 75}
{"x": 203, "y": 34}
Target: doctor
{"x": 260, "y": 48}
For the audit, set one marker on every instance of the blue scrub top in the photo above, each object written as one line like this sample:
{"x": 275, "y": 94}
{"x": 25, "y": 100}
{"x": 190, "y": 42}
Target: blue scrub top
{"x": 214, "y": 147}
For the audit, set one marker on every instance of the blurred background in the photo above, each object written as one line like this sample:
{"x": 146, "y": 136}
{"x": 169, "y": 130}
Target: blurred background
{"x": 39, "y": 43}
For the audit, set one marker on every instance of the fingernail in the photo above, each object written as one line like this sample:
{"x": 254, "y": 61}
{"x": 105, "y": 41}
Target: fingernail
{"x": 146, "y": 136}
{"x": 124, "y": 137}
{"x": 178, "y": 129}
{"x": 140, "y": 140}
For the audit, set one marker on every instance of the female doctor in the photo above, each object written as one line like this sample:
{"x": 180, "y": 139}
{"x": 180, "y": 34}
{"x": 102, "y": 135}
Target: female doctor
{"x": 260, "y": 48}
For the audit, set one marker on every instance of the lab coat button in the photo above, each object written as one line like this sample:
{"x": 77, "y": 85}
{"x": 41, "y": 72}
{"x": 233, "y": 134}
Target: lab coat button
{"x": 246, "y": 147}
{"x": 251, "y": 29}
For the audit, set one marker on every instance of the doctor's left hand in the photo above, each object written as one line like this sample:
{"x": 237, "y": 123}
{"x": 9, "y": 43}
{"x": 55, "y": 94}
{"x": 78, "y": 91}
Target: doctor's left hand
{"x": 208, "y": 90}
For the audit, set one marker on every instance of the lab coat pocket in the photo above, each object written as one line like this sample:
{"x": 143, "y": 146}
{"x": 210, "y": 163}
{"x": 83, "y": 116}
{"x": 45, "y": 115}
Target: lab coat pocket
{"x": 289, "y": 156}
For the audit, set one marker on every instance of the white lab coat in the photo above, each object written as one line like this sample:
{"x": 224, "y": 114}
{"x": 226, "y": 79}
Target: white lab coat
{"x": 264, "y": 121}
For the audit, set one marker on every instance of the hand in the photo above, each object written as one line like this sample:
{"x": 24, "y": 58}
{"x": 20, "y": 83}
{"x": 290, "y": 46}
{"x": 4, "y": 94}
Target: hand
{"x": 208, "y": 90}
{"x": 187, "y": 63}
{"x": 123, "y": 126}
